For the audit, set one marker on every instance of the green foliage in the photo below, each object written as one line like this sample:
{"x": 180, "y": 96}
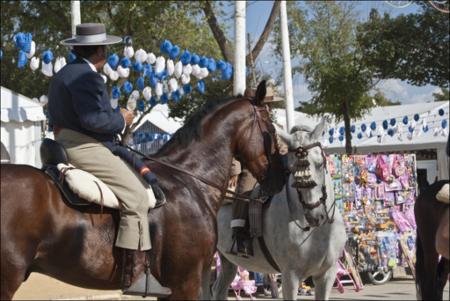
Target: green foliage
{"x": 441, "y": 96}
{"x": 380, "y": 100}
{"x": 147, "y": 22}
{"x": 323, "y": 36}
{"x": 413, "y": 47}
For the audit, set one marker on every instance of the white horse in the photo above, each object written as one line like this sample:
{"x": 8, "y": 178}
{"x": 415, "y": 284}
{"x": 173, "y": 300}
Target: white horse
{"x": 303, "y": 230}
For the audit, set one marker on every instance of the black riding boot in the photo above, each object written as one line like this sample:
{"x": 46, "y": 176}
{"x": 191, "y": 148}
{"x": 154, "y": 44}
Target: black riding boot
{"x": 137, "y": 280}
{"x": 242, "y": 242}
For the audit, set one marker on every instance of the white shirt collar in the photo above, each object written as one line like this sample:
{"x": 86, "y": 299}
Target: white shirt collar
{"x": 90, "y": 64}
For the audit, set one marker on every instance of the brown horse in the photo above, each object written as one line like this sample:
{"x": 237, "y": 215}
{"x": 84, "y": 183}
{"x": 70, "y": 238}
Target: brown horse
{"x": 41, "y": 233}
{"x": 431, "y": 272}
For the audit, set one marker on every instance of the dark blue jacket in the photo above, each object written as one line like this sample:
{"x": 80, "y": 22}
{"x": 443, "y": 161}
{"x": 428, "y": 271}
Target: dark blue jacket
{"x": 78, "y": 100}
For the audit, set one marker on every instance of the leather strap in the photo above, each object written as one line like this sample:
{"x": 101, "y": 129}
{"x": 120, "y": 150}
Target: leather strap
{"x": 267, "y": 255}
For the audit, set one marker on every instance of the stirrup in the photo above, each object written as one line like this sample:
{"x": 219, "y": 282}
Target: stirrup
{"x": 147, "y": 285}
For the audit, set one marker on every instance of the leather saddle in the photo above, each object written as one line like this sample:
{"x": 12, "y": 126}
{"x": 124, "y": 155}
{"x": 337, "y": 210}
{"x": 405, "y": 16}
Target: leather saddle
{"x": 52, "y": 153}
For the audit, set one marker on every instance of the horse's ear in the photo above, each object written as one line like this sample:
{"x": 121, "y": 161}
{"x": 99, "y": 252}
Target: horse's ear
{"x": 320, "y": 127}
{"x": 283, "y": 135}
{"x": 260, "y": 93}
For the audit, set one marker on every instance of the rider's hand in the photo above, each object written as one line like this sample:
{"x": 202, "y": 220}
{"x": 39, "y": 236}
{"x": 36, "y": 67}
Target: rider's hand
{"x": 233, "y": 181}
{"x": 127, "y": 115}
{"x": 159, "y": 194}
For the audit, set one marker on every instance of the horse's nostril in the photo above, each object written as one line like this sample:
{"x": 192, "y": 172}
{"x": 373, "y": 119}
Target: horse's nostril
{"x": 321, "y": 217}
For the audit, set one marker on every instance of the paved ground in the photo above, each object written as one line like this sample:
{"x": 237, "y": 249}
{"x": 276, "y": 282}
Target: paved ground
{"x": 40, "y": 287}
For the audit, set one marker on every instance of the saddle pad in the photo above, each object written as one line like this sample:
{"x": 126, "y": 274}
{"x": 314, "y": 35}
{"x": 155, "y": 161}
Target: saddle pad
{"x": 92, "y": 189}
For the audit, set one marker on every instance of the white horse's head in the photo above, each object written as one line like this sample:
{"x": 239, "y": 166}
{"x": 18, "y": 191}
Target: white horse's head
{"x": 308, "y": 166}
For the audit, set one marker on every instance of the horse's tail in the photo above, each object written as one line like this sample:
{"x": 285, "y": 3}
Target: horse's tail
{"x": 420, "y": 267}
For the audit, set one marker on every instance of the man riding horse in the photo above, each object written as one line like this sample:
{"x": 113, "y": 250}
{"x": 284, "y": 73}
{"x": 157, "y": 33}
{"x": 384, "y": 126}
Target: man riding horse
{"x": 84, "y": 123}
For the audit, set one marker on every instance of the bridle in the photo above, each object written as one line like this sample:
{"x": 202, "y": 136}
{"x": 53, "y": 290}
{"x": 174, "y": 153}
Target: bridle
{"x": 303, "y": 180}
{"x": 235, "y": 195}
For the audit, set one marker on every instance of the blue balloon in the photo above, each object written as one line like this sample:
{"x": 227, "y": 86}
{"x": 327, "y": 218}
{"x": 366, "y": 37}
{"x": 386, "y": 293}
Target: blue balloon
{"x": 441, "y": 112}
{"x": 153, "y": 101}
{"x": 444, "y": 123}
{"x": 425, "y": 128}
{"x": 140, "y": 105}
{"x": 411, "y": 129}
{"x": 363, "y": 127}
{"x": 390, "y": 132}
{"x": 113, "y": 61}
{"x": 164, "y": 98}
{"x": 330, "y": 139}
{"x": 393, "y": 121}
{"x": 23, "y": 41}
{"x": 341, "y": 130}
{"x": 115, "y": 92}
{"x": 71, "y": 57}
{"x": 1, "y": 54}
{"x": 176, "y": 96}
{"x": 360, "y": 135}
{"x": 128, "y": 40}
{"x": 185, "y": 57}
{"x": 166, "y": 46}
{"x": 341, "y": 138}
{"x": 125, "y": 62}
{"x": 137, "y": 66}
{"x": 174, "y": 52}
{"x": 221, "y": 65}
{"x": 140, "y": 83}
{"x": 201, "y": 86}
{"x": 187, "y": 89}
{"x": 195, "y": 59}
{"x": 203, "y": 62}
{"x": 331, "y": 131}
{"x": 153, "y": 80}
{"x": 127, "y": 87}
{"x": 352, "y": 128}
{"x": 373, "y": 125}
{"x": 47, "y": 56}
{"x": 22, "y": 60}
{"x": 405, "y": 120}
{"x": 416, "y": 117}
{"x": 147, "y": 70}
{"x": 385, "y": 124}
{"x": 212, "y": 65}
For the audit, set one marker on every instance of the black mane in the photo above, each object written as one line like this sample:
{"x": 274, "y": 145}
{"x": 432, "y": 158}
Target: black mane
{"x": 191, "y": 130}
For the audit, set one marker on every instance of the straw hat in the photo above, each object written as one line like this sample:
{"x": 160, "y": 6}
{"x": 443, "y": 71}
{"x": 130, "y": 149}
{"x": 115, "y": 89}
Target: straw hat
{"x": 91, "y": 34}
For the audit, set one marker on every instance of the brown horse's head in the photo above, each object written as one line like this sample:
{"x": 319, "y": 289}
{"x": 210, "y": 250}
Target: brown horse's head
{"x": 257, "y": 147}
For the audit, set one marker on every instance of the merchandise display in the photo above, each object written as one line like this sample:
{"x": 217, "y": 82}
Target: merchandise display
{"x": 375, "y": 194}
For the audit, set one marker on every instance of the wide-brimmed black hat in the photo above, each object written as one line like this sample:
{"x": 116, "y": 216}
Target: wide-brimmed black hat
{"x": 91, "y": 34}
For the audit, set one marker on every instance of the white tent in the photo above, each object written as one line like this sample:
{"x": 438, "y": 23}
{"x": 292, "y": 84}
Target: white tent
{"x": 403, "y": 133}
{"x": 21, "y": 127}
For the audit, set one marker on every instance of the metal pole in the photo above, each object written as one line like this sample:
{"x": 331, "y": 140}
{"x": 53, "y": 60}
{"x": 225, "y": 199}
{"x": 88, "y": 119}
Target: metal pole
{"x": 288, "y": 91}
{"x": 239, "y": 49}
{"x": 75, "y": 13}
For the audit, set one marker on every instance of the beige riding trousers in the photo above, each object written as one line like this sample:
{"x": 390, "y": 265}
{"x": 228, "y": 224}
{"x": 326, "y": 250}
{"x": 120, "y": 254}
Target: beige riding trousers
{"x": 90, "y": 155}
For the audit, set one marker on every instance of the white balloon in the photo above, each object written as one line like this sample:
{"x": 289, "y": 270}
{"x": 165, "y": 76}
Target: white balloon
{"x": 134, "y": 94}
{"x": 147, "y": 92}
{"x": 34, "y": 63}
{"x": 140, "y": 55}
{"x": 203, "y": 73}
{"x": 123, "y": 72}
{"x": 114, "y": 75}
{"x": 47, "y": 69}
{"x": 128, "y": 51}
{"x": 114, "y": 102}
{"x": 160, "y": 64}
{"x": 107, "y": 69}
{"x": 105, "y": 78}
{"x": 178, "y": 69}
{"x": 185, "y": 79}
{"x": 170, "y": 67}
{"x": 131, "y": 104}
{"x": 159, "y": 89}
{"x": 151, "y": 58}
{"x": 32, "y": 50}
{"x": 43, "y": 99}
{"x": 187, "y": 69}
{"x": 196, "y": 70}
{"x": 173, "y": 85}
{"x": 59, "y": 63}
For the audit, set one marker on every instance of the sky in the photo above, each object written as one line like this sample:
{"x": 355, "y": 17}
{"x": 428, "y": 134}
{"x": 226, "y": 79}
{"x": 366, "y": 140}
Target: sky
{"x": 257, "y": 14}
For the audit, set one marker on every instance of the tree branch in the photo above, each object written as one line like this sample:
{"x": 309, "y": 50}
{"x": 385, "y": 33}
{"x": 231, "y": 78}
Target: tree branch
{"x": 224, "y": 44}
{"x": 275, "y": 12}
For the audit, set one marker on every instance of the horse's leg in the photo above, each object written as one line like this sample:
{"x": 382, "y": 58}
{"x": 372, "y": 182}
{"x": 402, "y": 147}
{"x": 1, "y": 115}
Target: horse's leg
{"x": 427, "y": 267}
{"x": 290, "y": 282}
{"x": 442, "y": 276}
{"x": 224, "y": 279}
{"x": 324, "y": 283}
